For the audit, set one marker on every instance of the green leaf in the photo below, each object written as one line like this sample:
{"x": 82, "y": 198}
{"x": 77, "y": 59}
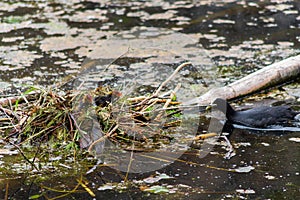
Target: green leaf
{"x": 174, "y": 98}
{"x": 13, "y": 19}
{"x": 36, "y": 196}
{"x": 157, "y": 189}
{"x": 28, "y": 91}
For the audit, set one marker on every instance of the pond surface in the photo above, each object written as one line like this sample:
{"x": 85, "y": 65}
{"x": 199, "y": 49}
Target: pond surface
{"x": 134, "y": 46}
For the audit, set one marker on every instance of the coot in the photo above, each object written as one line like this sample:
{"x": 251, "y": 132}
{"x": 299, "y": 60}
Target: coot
{"x": 259, "y": 117}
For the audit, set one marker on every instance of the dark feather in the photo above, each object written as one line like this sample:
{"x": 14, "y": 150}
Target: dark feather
{"x": 256, "y": 117}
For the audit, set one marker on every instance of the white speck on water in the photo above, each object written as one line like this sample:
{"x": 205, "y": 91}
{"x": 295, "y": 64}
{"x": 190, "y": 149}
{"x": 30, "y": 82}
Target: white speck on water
{"x": 294, "y": 139}
{"x": 265, "y": 144}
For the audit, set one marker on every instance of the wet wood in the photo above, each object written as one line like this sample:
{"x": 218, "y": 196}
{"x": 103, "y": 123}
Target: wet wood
{"x": 266, "y": 77}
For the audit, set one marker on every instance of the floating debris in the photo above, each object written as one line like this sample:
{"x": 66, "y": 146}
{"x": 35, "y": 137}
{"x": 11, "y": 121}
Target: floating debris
{"x": 247, "y": 191}
{"x": 294, "y": 139}
{"x": 157, "y": 189}
{"x": 156, "y": 178}
{"x": 244, "y": 169}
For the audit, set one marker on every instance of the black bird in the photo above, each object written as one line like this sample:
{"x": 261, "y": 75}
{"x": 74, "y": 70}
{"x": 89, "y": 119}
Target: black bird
{"x": 259, "y": 117}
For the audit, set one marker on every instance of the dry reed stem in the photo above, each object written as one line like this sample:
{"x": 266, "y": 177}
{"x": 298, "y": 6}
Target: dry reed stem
{"x": 171, "y": 77}
{"x": 155, "y": 94}
{"x": 168, "y": 101}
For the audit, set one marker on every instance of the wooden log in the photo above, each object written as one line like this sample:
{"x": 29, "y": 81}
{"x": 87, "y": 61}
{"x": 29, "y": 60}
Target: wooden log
{"x": 266, "y": 77}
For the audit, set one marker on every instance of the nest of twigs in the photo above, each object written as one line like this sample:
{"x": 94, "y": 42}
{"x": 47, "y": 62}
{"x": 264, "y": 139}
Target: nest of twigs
{"x": 145, "y": 121}
{"x": 38, "y": 115}
{"x": 69, "y": 118}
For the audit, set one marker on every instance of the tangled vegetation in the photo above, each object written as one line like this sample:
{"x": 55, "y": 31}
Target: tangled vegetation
{"x": 66, "y": 119}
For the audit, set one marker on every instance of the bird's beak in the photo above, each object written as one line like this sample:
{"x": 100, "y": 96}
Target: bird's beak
{"x": 210, "y": 106}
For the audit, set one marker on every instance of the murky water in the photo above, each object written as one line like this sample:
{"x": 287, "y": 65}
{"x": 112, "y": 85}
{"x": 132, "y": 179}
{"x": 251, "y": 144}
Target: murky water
{"x": 43, "y": 42}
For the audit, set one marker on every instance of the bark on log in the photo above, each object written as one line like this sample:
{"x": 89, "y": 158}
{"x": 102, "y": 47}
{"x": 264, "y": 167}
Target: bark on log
{"x": 268, "y": 76}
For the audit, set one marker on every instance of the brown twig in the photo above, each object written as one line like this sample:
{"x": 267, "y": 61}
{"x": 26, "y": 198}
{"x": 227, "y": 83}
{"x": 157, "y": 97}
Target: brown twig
{"x": 155, "y": 94}
{"x": 171, "y": 77}
{"x": 168, "y": 101}
{"x": 9, "y": 112}
{"x": 103, "y": 137}
{"x": 6, "y": 192}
